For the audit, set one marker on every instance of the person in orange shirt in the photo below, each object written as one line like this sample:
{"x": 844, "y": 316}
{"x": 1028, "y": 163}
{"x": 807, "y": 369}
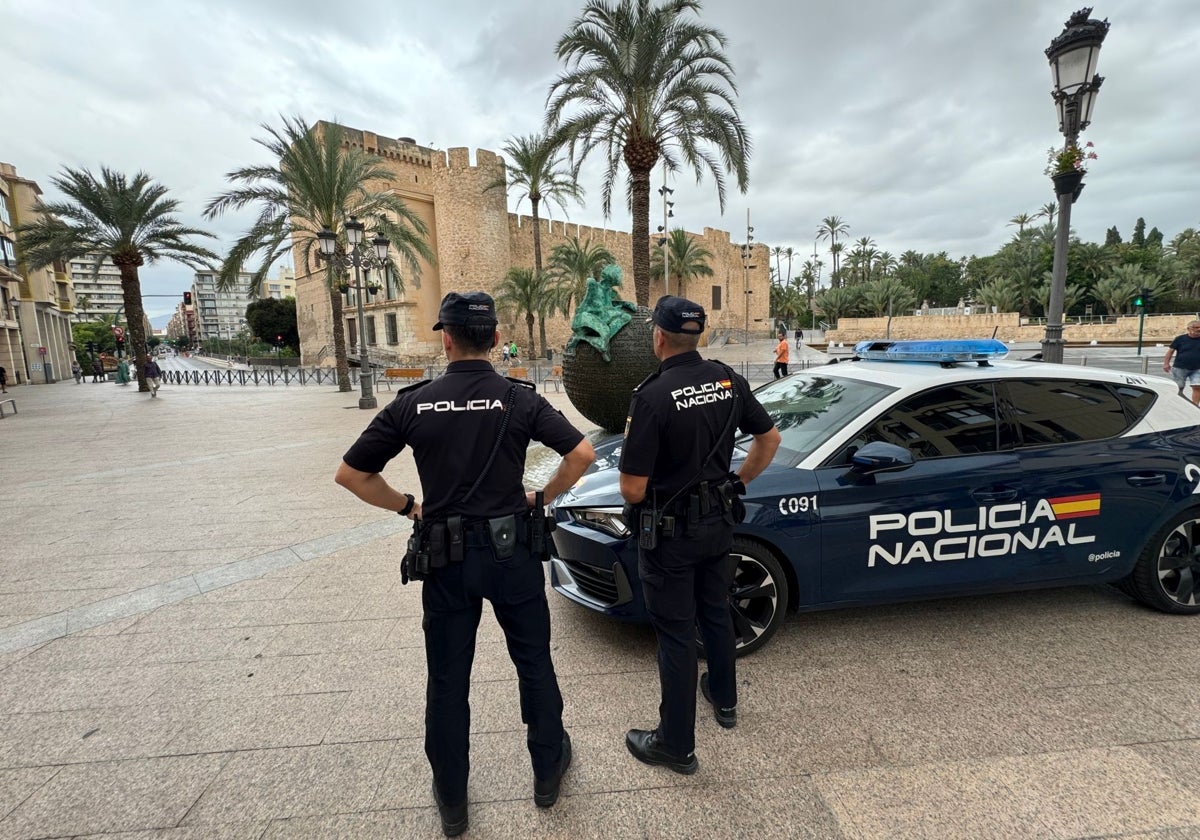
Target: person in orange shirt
{"x": 781, "y": 356}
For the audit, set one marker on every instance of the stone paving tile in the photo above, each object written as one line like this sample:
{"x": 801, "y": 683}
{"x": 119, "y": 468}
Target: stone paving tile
{"x": 1099, "y": 715}
{"x": 750, "y": 808}
{"x": 40, "y": 691}
{"x": 17, "y": 785}
{"x": 224, "y": 831}
{"x": 581, "y": 816}
{"x": 1087, "y": 793}
{"x": 372, "y": 825}
{"x": 116, "y": 795}
{"x": 80, "y": 652}
{"x": 242, "y": 677}
{"x": 87, "y": 735}
{"x": 234, "y": 724}
{"x": 298, "y": 782}
{"x": 330, "y": 637}
{"x": 357, "y": 670}
{"x": 934, "y": 801}
{"x": 201, "y": 644}
{"x": 374, "y": 715}
{"x": 1180, "y": 759}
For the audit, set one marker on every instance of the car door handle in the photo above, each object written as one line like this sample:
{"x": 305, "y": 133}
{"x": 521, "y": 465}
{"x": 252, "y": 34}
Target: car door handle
{"x": 995, "y": 494}
{"x": 1150, "y": 480}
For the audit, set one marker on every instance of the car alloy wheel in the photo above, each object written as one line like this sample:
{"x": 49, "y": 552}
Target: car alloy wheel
{"x": 758, "y": 597}
{"x": 1167, "y": 576}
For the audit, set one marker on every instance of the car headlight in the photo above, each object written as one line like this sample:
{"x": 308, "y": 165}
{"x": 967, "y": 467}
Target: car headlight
{"x": 608, "y": 520}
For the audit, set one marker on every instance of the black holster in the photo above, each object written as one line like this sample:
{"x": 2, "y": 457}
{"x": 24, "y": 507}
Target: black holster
{"x": 416, "y": 562}
{"x": 540, "y": 526}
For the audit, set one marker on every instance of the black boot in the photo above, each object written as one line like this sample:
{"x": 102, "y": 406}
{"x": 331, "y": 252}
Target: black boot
{"x": 727, "y": 717}
{"x": 454, "y": 817}
{"x": 645, "y": 747}
{"x": 545, "y": 793}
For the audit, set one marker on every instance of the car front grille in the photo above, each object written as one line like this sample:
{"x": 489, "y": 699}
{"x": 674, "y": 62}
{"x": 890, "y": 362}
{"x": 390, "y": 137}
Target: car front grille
{"x": 599, "y": 584}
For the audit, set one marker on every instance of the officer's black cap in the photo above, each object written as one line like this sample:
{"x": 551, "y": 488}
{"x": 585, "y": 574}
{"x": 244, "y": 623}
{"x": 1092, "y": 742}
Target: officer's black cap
{"x": 673, "y": 314}
{"x": 470, "y": 309}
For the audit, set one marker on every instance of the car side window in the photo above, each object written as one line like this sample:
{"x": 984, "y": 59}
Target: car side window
{"x": 1064, "y": 411}
{"x": 951, "y": 420}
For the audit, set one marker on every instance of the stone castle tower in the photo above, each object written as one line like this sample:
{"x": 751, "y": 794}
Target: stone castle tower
{"x": 476, "y": 240}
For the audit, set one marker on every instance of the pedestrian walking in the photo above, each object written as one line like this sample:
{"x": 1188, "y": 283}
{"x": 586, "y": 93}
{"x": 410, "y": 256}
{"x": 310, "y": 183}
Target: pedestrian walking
{"x": 3, "y": 380}
{"x": 683, "y": 501}
{"x": 1182, "y": 360}
{"x": 799, "y": 338}
{"x": 514, "y": 355}
{"x": 77, "y": 372}
{"x": 781, "y": 357}
{"x": 122, "y": 372}
{"x": 504, "y": 353}
{"x": 97, "y": 370}
{"x": 478, "y": 536}
{"x": 153, "y": 375}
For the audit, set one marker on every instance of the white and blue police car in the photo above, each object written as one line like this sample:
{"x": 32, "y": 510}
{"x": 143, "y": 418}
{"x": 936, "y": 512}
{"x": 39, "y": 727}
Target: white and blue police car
{"x": 925, "y": 469}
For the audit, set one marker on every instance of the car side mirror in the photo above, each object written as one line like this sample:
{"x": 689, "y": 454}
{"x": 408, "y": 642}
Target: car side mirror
{"x": 878, "y": 457}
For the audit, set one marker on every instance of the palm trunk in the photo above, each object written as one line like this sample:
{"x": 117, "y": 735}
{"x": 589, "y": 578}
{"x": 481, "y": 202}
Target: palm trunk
{"x": 529, "y": 326}
{"x": 339, "y": 339}
{"x": 639, "y": 190}
{"x": 534, "y": 199}
{"x": 135, "y": 315}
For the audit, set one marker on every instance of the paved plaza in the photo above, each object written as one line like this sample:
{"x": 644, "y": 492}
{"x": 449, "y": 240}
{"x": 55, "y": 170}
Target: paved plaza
{"x": 201, "y": 636}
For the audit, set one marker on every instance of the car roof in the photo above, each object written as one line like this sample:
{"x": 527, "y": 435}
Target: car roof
{"x": 918, "y": 375}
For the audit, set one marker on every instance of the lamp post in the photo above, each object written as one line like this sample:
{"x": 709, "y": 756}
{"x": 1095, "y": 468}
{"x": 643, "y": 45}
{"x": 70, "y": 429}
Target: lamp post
{"x": 747, "y": 252}
{"x": 1073, "y": 56}
{"x": 359, "y": 260}
{"x": 664, "y": 241}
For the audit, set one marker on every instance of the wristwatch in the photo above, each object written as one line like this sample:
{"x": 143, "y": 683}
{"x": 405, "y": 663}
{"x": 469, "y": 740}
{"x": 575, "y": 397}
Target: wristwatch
{"x": 408, "y": 507}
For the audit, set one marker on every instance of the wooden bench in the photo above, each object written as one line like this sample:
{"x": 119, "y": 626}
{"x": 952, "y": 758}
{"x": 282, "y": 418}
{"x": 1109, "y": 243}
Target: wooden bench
{"x": 11, "y": 402}
{"x": 518, "y": 373}
{"x": 408, "y": 375}
{"x": 555, "y": 378}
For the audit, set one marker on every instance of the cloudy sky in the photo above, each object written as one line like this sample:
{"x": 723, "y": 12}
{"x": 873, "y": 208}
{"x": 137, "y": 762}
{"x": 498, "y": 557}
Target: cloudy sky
{"x": 923, "y": 123}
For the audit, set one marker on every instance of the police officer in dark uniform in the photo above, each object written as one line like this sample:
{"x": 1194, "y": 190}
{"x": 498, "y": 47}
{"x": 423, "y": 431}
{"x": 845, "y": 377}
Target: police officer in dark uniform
{"x": 683, "y": 502}
{"x": 480, "y": 536}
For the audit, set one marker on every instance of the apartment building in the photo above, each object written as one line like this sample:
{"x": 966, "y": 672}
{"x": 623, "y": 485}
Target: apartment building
{"x": 37, "y": 303}
{"x": 283, "y": 286}
{"x": 97, "y": 284}
{"x": 219, "y": 314}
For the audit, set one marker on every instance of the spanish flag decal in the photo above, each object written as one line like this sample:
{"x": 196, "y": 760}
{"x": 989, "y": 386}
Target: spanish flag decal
{"x": 1073, "y": 507}
{"x": 725, "y": 383}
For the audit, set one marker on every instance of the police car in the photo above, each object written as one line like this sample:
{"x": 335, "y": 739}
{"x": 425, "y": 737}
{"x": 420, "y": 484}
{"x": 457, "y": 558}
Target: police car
{"x": 930, "y": 469}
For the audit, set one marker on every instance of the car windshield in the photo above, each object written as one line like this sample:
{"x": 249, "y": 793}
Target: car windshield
{"x": 809, "y": 408}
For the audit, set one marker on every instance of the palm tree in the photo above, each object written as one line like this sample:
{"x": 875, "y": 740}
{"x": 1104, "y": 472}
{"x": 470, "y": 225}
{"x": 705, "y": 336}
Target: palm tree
{"x": 1003, "y": 293}
{"x": 571, "y": 264}
{"x": 529, "y": 293}
{"x": 649, "y": 83}
{"x": 1020, "y": 220}
{"x": 887, "y": 297}
{"x": 1047, "y": 212}
{"x": 835, "y": 303}
{"x": 789, "y": 252}
{"x": 130, "y": 220}
{"x": 687, "y": 259}
{"x": 1072, "y": 293}
{"x": 777, "y": 253}
{"x": 316, "y": 184}
{"x": 831, "y": 228}
{"x": 535, "y": 168}
{"x": 835, "y": 276}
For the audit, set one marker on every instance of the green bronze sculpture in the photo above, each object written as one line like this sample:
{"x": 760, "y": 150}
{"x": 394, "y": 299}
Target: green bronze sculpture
{"x": 611, "y": 350}
{"x": 601, "y": 314}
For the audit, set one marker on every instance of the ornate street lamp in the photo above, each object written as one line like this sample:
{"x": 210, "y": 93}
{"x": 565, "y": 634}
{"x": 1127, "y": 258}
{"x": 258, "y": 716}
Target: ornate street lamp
{"x": 1073, "y": 57}
{"x": 363, "y": 262}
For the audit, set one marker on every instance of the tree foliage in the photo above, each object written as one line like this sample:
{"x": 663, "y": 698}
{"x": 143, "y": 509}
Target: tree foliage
{"x": 268, "y": 318}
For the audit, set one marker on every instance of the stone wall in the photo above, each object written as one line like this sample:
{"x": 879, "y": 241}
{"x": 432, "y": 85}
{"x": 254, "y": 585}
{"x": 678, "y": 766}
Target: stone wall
{"x": 1008, "y": 327}
{"x": 476, "y": 240}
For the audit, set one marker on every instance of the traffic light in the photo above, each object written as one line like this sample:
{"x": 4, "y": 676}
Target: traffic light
{"x": 1142, "y": 299}
{"x": 279, "y": 339}
{"x": 187, "y": 298}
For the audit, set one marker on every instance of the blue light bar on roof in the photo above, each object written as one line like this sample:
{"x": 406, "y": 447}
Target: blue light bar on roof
{"x": 948, "y": 350}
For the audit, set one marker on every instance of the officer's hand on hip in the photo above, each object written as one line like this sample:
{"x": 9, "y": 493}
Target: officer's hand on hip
{"x": 530, "y": 499}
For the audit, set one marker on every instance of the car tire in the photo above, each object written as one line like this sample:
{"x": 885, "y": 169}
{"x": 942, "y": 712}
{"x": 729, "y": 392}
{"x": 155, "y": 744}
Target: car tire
{"x": 758, "y": 597}
{"x": 1167, "y": 575}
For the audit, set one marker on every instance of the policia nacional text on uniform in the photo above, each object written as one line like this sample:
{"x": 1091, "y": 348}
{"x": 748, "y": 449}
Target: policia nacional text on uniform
{"x": 682, "y": 502}
{"x": 480, "y": 536}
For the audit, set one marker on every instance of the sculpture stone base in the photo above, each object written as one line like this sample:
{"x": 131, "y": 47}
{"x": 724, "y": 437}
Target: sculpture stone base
{"x": 600, "y": 389}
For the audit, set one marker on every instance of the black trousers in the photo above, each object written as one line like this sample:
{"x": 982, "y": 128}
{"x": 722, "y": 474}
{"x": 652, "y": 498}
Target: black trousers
{"x": 452, "y": 598}
{"x": 780, "y": 369}
{"x": 686, "y": 581}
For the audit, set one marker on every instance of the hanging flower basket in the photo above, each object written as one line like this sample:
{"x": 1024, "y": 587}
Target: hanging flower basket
{"x": 1068, "y": 183}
